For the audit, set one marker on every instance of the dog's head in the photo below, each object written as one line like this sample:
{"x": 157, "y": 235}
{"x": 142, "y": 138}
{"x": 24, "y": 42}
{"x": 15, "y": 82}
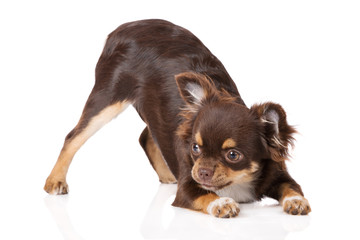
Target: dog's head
{"x": 226, "y": 140}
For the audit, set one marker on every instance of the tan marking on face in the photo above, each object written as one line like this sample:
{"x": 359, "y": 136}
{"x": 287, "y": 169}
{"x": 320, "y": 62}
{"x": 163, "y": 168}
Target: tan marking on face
{"x": 254, "y": 167}
{"x": 224, "y": 175}
{"x": 72, "y": 145}
{"x": 158, "y": 162}
{"x": 244, "y": 175}
{"x": 202, "y": 202}
{"x": 228, "y": 143}
{"x": 198, "y": 139}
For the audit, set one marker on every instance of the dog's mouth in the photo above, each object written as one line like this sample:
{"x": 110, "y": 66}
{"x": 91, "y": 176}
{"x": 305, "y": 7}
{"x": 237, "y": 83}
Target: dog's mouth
{"x": 212, "y": 187}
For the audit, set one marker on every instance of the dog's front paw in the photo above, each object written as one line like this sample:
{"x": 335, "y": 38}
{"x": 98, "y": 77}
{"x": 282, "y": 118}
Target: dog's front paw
{"x": 296, "y": 205}
{"x": 224, "y": 207}
{"x": 56, "y": 187}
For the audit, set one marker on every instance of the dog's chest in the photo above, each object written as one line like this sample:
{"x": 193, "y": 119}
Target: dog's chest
{"x": 239, "y": 192}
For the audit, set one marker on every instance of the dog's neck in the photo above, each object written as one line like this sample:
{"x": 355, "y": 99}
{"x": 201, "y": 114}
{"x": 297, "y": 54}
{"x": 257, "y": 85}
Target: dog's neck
{"x": 240, "y": 192}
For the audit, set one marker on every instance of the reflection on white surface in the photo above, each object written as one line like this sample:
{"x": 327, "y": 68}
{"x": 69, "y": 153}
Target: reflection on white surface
{"x": 57, "y": 207}
{"x": 261, "y": 220}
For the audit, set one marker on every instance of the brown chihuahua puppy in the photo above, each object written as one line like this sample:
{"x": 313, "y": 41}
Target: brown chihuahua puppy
{"x": 199, "y": 132}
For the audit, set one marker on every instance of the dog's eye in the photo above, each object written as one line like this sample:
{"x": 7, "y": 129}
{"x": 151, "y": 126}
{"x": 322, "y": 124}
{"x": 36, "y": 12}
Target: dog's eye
{"x": 196, "y": 149}
{"x": 234, "y": 156}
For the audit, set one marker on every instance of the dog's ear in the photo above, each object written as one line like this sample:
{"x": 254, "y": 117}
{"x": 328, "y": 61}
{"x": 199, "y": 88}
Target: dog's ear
{"x": 277, "y": 133}
{"x": 195, "y": 88}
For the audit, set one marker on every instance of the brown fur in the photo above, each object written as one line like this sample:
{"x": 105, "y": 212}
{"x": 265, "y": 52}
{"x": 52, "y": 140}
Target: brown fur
{"x": 199, "y": 131}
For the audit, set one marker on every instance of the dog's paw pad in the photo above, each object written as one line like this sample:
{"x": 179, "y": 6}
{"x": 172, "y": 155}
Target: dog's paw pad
{"x": 56, "y": 187}
{"x": 224, "y": 208}
{"x": 296, "y": 205}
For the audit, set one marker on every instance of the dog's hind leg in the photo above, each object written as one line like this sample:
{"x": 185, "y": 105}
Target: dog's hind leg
{"x": 98, "y": 111}
{"x": 156, "y": 159}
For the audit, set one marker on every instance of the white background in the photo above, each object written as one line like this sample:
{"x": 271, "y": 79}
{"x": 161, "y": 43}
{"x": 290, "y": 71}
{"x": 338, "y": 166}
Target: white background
{"x": 304, "y": 55}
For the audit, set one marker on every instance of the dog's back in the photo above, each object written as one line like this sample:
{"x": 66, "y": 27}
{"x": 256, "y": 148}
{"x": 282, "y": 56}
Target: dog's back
{"x": 149, "y": 53}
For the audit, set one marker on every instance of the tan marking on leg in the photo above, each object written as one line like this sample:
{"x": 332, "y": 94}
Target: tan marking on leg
{"x": 198, "y": 139}
{"x": 216, "y": 206}
{"x": 56, "y": 182}
{"x": 286, "y": 191}
{"x": 158, "y": 162}
{"x": 293, "y": 202}
{"x": 202, "y": 202}
{"x": 228, "y": 143}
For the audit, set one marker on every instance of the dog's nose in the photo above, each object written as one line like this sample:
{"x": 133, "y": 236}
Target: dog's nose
{"x": 205, "y": 174}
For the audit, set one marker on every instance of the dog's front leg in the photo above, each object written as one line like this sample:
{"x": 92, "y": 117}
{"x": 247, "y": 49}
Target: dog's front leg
{"x": 290, "y": 195}
{"x": 190, "y": 195}
{"x": 293, "y": 200}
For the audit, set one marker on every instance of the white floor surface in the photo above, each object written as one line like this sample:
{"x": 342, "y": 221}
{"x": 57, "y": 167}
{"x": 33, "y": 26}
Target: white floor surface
{"x": 301, "y": 54}
{"x": 115, "y": 215}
